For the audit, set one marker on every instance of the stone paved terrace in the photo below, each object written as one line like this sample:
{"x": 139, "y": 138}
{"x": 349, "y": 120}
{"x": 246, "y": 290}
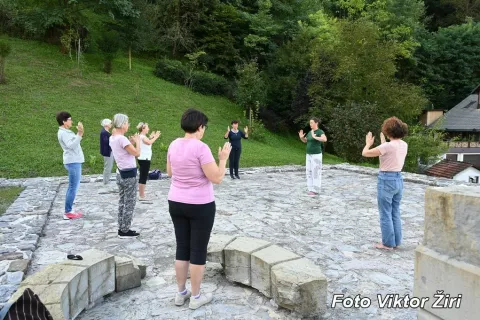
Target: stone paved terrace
{"x": 336, "y": 230}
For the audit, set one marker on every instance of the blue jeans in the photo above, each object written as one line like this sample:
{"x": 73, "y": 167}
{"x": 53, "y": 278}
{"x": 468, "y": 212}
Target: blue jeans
{"x": 389, "y": 195}
{"x": 74, "y": 176}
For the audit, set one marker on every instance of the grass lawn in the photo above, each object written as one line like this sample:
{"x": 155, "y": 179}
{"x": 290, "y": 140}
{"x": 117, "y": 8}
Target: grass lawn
{"x": 8, "y": 196}
{"x": 42, "y": 81}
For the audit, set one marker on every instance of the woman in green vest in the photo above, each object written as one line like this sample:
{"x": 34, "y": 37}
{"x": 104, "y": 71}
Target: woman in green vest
{"x": 314, "y": 140}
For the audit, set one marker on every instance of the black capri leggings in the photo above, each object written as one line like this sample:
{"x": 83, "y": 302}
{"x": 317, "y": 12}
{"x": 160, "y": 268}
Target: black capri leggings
{"x": 144, "y": 169}
{"x": 193, "y": 224}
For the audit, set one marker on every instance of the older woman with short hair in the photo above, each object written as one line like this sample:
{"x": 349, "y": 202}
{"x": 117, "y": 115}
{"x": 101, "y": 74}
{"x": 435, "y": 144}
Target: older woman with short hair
{"x": 390, "y": 181}
{"x": 191, "y": 202}
{"x": 124, "y": 152}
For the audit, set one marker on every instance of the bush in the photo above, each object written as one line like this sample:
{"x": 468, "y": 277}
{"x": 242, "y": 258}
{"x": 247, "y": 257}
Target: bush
{"x": 171, "y": 70}
{"x": 202, "y": 82}
{"x": 425, "y": 147}
{"x": 209, "y": 83}
{"x": 349, "y": 125}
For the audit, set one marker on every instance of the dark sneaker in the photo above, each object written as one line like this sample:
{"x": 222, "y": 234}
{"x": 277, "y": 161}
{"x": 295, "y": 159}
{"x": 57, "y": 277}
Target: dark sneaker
{"x": 127, "y": 235}
{"x": 231, "y": 176}
{"x": 236, "y": 176}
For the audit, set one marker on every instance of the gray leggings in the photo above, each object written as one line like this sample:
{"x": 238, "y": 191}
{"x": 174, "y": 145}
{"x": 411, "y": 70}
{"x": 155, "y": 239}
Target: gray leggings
{"x": 127, "y": 188}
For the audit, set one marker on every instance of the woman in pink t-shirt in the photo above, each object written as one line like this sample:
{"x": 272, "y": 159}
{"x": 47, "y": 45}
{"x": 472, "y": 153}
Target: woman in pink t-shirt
{"x": 390, "y": 182}
{"x": 191, "y": 202}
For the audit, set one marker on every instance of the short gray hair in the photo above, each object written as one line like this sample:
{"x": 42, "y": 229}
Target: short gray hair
{"x": 106, "y": 122}
{"x": 119, "y": 120}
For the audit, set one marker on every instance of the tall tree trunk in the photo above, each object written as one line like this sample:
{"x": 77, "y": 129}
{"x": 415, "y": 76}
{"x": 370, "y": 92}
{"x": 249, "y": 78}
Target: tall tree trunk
{"x": 130, "y": 58}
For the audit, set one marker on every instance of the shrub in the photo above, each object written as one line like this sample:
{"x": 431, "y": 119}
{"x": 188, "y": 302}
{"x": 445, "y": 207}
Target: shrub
{"x": 171, "y": 70}
{"x": 202, "y": 82}
{"x": 349, "y": 125}
{"x": 5, "y": 50}
{"x": 209, "y": 83}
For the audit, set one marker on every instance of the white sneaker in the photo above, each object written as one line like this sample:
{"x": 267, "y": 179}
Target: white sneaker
{"x": 145, "y": 200}
{"x": 203, "y": 299}
{"x": 180, "y": 298}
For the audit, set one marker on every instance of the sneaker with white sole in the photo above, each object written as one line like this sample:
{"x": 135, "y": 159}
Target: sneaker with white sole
{"x": 181, "y": 298}
{"x": 72, "y": 215}
{"x": 128, "y": 235}
{"x": 145, "y": 200}
{"x": 196, "y": 303}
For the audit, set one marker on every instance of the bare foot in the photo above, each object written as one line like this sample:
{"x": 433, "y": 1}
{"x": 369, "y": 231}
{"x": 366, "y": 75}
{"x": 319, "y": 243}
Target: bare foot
{"x": 381, "y": 246}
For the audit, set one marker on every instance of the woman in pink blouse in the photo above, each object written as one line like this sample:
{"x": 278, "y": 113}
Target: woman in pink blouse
{"x": 390, "y": 181}
{"x": 191, "y": 203}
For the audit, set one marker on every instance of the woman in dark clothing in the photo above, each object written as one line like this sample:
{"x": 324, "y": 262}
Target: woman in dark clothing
{"x": 105, "y": 150}
{"x": 235, "y": 136}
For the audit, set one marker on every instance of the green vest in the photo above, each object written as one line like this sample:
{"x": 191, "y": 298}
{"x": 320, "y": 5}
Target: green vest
{"x": 314, "y": 146}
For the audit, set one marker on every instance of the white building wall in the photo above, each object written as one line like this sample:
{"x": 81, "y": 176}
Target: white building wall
{"x": 466, "y": 174}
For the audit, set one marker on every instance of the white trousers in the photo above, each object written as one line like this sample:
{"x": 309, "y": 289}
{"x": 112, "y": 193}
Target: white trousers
{"x": 314, "y": 172}
{"x": 107, "y": 168}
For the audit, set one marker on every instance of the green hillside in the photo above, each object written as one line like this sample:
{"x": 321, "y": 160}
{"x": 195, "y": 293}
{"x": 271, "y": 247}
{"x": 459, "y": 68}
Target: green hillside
{"x": 42, "y": 81}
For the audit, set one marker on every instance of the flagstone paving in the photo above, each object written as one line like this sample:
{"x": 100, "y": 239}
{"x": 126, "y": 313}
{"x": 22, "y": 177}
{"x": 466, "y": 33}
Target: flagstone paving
{"x": 336, "y": 230}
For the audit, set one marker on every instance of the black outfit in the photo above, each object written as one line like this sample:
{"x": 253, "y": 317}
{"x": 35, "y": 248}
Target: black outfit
{"x": 236, "y": 142}
{"x": 193, "y": 224}
{"x": 105, "y": 149}
{"x": 144, "y": 169}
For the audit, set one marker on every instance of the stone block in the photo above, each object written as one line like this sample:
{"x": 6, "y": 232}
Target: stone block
{"x": 300, "y": 285}
{"x": 452, "y": 222}
{"x": 435, "y": 271}
{"x": 15, "y": 277}
{"x": 127, "y": 274}
{"x": 11, "y": 256}
{"x": 19, "y": 265}
{"x": 101, "y": 272}
{"x": 216, "y": 244}
{"x": 53, "y": 296}
{"x": 238, "y": 258}
{"x": 75, "y": 278}
{"x": 262, "y": 263}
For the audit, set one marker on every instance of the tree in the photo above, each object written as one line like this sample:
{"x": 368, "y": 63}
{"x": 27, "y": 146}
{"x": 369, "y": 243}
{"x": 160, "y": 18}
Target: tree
{"x": 449, "y": 64}
{"x": 108, "y": 44}
{"x": 445, "y": 13}
{"x": 5, "y": 50}
{"x": 250, "y": 88}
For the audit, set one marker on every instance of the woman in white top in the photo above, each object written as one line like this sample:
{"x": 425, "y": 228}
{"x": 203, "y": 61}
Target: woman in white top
{"x": 145, "y": 156}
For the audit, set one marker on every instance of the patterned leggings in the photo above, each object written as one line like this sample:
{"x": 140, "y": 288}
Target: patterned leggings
{"x": 126, "y": 204}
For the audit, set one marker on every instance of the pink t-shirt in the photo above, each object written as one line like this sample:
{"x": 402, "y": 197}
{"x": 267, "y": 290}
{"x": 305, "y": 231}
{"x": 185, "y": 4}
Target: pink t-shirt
{"x": 189, "y": 183}
{"x": 392, "y": 155}
{"x": 123, "y": 159}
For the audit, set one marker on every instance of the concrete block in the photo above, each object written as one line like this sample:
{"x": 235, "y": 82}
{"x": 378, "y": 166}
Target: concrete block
{"x": 101, "y": 272}
{"x": 262, "y": 262}
{"x": 435, "y": 271}
{"x": 300, "y": 285}
{"x": 216, "y": 244}
{"x": 127, "y": 274}
{"x": 452, "y": 222}
{"x": 238, "y": 258}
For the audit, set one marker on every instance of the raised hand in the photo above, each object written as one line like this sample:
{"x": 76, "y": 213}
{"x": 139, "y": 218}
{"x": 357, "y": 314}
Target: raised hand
{"x": 224, "y": 153}
{"x": 313, "y": 134}
{"x": 301, "y": 134}
{"x": 369, "y": 139}
{"x": 80, "y": 126}
{"x": 245, "y": 129}
{"x": 228, "y": 129}
{"x": 382, "y": 138}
